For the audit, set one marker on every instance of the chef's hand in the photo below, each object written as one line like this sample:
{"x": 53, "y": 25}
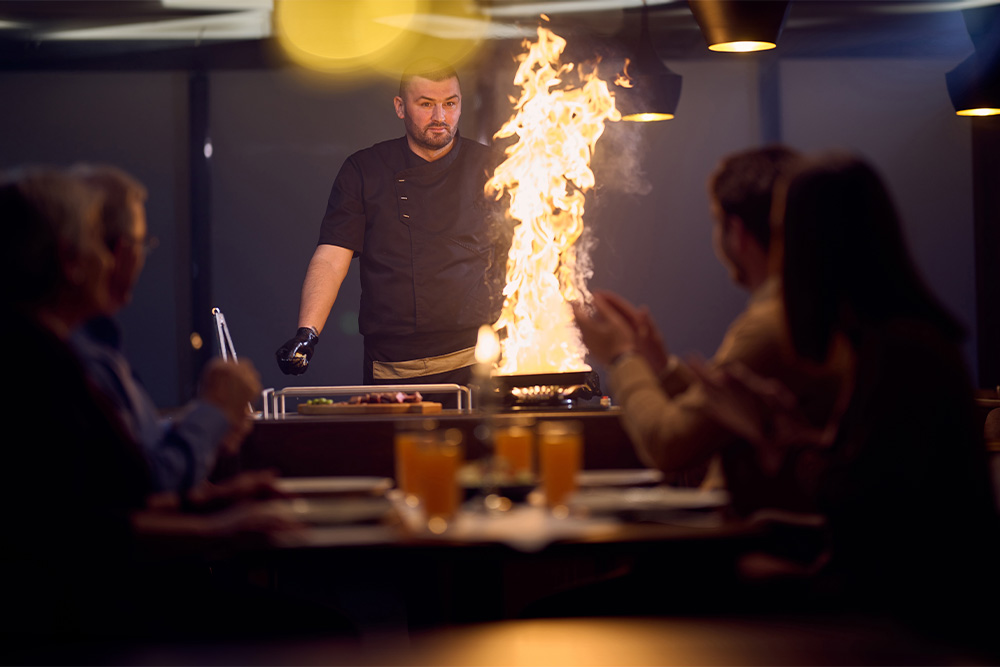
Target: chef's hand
{"x": 648, "y": 341}
{"x": 294, "y": 355}
{"x": 605, "y": 332}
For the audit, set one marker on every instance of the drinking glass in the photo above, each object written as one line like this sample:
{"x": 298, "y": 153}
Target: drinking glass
{"x": 407, "y": 439}
{"x": 513, "y": 447}
{"x": 560, "y": 457}
{"x": 439, "y": 458}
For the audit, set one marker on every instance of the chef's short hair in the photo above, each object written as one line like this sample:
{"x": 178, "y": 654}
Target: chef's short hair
{"x": 118, "y": 190}
{"x": 432, "y": 69}
{"x": 44, "y": 213}
{"x": 743, "y": 182}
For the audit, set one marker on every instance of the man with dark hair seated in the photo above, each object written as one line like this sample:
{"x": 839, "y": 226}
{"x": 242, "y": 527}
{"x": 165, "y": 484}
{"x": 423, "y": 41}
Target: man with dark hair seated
{"x": 663, "y": 407}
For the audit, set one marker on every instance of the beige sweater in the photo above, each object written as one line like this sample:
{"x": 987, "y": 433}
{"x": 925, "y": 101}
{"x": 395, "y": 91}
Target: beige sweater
{"x": 665, "y": 417}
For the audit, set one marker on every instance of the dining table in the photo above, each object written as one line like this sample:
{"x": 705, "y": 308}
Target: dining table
{"x": 521, "y": 584}
{"x": 601, "y": 642}
{"x": 364, "y": 549}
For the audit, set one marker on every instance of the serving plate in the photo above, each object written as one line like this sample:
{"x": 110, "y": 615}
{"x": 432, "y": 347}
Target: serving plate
{"x": 339, "y": 511}
{"x": 616, "y": 478}
{"x": 334, "y": 486}
{"x": 613, "y": 501}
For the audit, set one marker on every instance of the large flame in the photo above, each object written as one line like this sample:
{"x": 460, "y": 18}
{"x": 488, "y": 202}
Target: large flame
{"x": 546, "y": 173}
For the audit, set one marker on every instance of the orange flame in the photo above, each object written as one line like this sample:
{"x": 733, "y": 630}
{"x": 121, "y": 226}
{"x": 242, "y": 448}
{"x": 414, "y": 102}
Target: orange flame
{"x": 623, "y": 79}
{"x": 546, "y": 173}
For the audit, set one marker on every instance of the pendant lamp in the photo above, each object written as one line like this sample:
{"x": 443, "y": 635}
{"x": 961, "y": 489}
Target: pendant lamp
{"x": 652, "y": 90}
{"x": 740, "y": 26}
{"x": 974, "y": 85}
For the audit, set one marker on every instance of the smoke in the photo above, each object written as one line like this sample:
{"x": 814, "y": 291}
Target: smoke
{"x": 618, "y": 159}
{"x": 584, "y": 264}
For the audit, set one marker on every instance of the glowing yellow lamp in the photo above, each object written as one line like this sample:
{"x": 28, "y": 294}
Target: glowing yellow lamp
{"x": 741, "y": 47}
{"x": 647, "y": 117}
{"x": 981, "y": 111}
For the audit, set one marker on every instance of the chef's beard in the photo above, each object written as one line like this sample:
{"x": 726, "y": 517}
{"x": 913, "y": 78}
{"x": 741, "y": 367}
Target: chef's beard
{"x": 425, "y": 139}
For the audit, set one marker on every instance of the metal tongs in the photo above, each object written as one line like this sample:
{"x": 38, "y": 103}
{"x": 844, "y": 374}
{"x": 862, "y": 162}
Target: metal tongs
{"x": 226, "y": 349}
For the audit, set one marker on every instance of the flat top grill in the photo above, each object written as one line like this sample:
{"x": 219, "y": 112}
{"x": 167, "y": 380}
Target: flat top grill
{"x": 546, "y": 390}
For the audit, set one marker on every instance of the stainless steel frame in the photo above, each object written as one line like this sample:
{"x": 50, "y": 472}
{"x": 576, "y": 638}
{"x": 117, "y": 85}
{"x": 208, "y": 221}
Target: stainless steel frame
{"x": 274, "y": 400}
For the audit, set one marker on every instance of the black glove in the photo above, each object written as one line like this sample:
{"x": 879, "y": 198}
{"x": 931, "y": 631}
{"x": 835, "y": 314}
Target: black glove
{"x": 294, "y": 355}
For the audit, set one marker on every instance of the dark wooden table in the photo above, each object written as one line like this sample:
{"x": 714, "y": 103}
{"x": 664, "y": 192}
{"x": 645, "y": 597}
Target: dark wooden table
{"x": 385, "y": 577}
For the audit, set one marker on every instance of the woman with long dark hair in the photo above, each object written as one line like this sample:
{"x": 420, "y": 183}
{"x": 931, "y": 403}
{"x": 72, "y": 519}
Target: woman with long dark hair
{"x": 901, "y": 474}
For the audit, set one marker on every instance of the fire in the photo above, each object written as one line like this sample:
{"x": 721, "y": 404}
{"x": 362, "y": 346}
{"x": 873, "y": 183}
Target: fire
{"x": 623, "y": 79}
{"x": 547, "y": 173}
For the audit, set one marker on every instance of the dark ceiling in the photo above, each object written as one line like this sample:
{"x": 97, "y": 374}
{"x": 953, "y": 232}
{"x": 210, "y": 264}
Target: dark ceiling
{"x": 814, "y": 28}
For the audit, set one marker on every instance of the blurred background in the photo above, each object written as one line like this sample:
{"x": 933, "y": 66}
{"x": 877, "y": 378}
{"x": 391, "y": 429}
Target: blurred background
{"x": 237, "y": 115}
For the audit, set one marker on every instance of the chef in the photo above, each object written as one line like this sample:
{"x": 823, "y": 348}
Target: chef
{"x": 414, "y": 211}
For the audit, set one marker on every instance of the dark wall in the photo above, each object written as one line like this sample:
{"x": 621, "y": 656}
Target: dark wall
{"x": 275, "y": 167}
{"x": 279, "y": 139}
{"x": 139, "y": 122}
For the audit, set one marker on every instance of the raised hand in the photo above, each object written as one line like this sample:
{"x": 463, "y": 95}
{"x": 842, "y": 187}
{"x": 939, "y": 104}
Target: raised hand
{"x": 606, "y": 332}
{"x": 230, "y": 386}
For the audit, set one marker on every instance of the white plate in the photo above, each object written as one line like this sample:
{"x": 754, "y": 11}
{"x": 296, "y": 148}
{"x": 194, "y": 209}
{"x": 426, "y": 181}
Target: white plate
{"x": 600, "y": 501}
{"x": 640, "y": 477}
{"x": 305, "y": 486}
{"x": 339, "y": 511}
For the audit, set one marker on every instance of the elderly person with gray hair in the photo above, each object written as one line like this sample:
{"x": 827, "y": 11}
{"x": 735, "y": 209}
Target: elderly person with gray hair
{"x": 181, "y": 451}
{"x": 81, "y": 509}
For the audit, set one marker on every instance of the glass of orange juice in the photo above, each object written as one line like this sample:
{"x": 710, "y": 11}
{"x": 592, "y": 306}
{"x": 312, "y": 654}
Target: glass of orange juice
{"x": 560, "y": 457}
{"x": 439, "y": 458}
{"x": 513, "y": 447}
{"x": 407, "y": 439}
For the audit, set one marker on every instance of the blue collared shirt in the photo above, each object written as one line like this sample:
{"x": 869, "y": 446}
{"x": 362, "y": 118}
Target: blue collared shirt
{"x": 181, "y": 450}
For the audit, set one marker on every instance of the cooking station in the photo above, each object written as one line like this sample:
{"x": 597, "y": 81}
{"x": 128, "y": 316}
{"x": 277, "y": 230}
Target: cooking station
{"x": 548, "y": 391}
{"x": 361, "y": 443}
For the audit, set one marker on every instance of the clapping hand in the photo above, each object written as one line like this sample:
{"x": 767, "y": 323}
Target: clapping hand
{"x": 647, "y": 338}
{"x": 605, "y": 332}
{"x": 761, "y": 410}
{"x": 616, "y": 326}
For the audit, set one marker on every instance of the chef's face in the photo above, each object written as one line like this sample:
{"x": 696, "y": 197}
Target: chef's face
{"x": 430, "y": 112}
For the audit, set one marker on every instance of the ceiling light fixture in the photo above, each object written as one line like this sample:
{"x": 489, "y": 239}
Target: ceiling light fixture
{"x": 974, "y": 85}
{"x": 738, "y": 26}
{"x": 652, "y": 90}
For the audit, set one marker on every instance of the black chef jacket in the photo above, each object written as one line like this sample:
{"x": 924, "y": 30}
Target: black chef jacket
{"x": 430, "y": 275}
